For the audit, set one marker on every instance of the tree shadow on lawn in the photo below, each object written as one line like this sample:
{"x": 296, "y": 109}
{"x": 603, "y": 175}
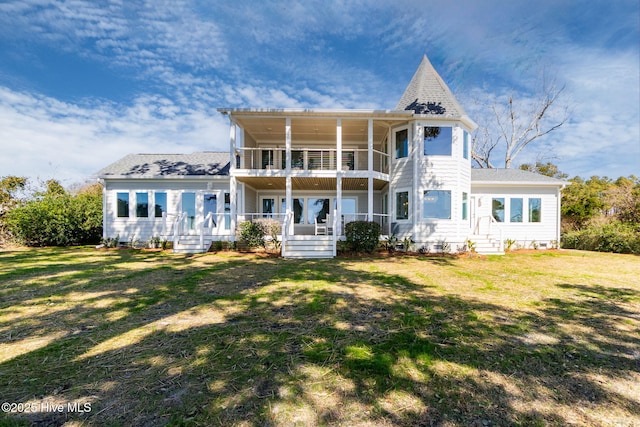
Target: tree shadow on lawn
{"x": 282, "y": 342}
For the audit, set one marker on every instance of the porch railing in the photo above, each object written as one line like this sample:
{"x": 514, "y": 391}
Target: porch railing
{"x": 310, "y": 159}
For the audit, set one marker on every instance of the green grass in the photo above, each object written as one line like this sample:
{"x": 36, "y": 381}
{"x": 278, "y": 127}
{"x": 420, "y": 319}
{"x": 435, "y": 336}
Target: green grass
{"x": 152, "y": 338}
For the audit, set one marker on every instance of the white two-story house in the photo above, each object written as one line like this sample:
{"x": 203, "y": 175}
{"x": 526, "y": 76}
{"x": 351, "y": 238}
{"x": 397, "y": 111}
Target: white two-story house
{"x": 315, "y": 170}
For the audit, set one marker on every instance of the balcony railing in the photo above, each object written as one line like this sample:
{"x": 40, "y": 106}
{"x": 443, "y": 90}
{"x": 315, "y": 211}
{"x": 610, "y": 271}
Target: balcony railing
{"x": 310, "y": 159}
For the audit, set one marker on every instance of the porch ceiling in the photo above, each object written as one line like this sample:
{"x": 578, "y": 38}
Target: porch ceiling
{"x": 312, "y": 130}
{"x": 308, "y": 183}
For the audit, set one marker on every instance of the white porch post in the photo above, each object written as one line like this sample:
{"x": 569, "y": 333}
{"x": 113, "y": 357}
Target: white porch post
{"x": 339, "y": 176}
{"x": 288, "y": 191}
{"x": 370, "y": 170}
{"x": 232, "y": 181}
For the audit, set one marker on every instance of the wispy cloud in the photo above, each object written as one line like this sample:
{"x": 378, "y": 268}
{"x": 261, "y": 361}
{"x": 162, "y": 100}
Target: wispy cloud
{"x": 70, "y": 141}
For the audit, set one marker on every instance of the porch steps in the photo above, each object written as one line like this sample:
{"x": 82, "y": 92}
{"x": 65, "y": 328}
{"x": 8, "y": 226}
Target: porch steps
{"x": 486, "y": 245}
{"x": 308, "y": 247}
{"x": 191, "y": 245}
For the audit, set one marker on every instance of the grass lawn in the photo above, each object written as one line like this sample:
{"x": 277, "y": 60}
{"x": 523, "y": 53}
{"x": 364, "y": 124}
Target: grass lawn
{"x": 91, "y": 337}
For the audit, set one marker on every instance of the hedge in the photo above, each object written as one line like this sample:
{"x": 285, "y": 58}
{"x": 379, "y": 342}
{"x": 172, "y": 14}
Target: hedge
{"x": 613, "y": 237}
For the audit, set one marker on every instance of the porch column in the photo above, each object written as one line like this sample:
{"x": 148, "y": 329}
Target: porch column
{"x": 339, "y": 232}
{"x": 288, "y": 191}
{"x": 232, "y": 181}
{"x": 339, "y": 144}
{"x": 370, "y": 170}
{"x": 232, "y": 143}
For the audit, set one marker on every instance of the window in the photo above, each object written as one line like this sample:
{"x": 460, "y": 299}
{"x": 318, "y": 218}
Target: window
{"x": 348, "y": 208}
{"x": 318, "y": 209}
{"x": 210, "y": 205}
{"x": 123, "y": 205}
{"x": 436, "y": 204}
{"x": 535, "y": 209}
{"x": 465, "y": 145}
{"x": 497, "y": 209}
{"x": 402, "y": 143}
{"x": 227, "y": 211}
{"x": 267, "y": 159}
{"x": 465, "y": 206}
{"x": 142, "y": 205}
{"x": 160, "y": 204}
{"x": 268, "y": 207}
{"x": 189, "y": 207}
{"x": 348, "y": 160}
{"x": 515, "y": 209}
{"x": 437, "y": 141}
{"x": 402, "y": 205}
{"x": 298, "y": 208}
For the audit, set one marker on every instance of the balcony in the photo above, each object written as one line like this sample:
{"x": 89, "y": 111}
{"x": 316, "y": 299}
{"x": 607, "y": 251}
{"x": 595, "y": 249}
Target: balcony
{"x": 311, "y": 159}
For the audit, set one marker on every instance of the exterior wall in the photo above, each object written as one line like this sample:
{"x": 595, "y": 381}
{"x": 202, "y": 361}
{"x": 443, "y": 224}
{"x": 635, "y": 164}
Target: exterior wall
{"x": 401, "y": 178}
{"x": 144, "y": 228}
{"x": 449, "y": 173}
{"x": 544, "y": 233}
{"x": 418, "y": 173}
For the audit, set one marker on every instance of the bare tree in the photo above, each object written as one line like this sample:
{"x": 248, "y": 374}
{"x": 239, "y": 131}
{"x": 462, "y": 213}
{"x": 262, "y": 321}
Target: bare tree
{"x": 512, "y": 126}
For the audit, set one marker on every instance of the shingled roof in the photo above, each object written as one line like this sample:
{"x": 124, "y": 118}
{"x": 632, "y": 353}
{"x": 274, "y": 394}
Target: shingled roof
{"x": 511, "y": 176}
{"x": 427, "y": 93}
{"x": 205, "y": 163}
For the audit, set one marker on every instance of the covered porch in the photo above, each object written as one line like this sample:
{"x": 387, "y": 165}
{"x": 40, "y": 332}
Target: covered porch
{"x": 315, "y": 205}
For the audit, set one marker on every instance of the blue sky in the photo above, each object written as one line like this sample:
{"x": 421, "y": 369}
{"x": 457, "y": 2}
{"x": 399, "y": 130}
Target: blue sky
{"x": 85, "y": 82}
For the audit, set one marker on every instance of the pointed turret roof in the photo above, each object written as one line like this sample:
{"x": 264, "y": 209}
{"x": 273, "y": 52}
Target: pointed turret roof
{"x": 427, "y": 93}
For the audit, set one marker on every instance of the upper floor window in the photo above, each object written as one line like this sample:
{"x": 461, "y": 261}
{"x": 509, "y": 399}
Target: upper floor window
{"x": 437, "y": 141}
{"x": 402, "y": 143}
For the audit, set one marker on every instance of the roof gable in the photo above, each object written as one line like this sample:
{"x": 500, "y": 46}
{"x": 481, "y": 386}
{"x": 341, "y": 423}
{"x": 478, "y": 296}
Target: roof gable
{"x": 427, "y": 93}
{"x": 169, "y": 165}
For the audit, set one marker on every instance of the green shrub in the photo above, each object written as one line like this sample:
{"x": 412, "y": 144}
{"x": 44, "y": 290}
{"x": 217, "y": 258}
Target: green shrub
{"x": 58, "y": 220}
{"x": 362, "y": 236}
{"x": 612, "y": 237}
{"x": 251, "y": 234}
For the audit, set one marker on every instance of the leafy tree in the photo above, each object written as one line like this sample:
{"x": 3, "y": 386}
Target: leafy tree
{"x": 57, "y": 218}
{"x": 548, "y": 169}
{"x": 10, "y": 187}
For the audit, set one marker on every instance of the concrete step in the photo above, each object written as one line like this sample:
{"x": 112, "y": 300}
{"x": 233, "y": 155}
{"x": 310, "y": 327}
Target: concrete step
{"x": 486, "y": 245}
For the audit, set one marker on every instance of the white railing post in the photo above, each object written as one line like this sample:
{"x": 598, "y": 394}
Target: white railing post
{"x": 335, "y": 232}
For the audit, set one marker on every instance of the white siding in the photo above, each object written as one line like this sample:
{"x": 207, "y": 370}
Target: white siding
{"x": 545, "y": 231}
{"x": 144, "y": 228}
{"x": 449, "y": 173}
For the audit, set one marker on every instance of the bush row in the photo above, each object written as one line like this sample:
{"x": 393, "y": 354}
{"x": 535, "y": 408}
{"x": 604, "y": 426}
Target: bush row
{"x": 59, "y": 220}
{"x": 612, "y": 237}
